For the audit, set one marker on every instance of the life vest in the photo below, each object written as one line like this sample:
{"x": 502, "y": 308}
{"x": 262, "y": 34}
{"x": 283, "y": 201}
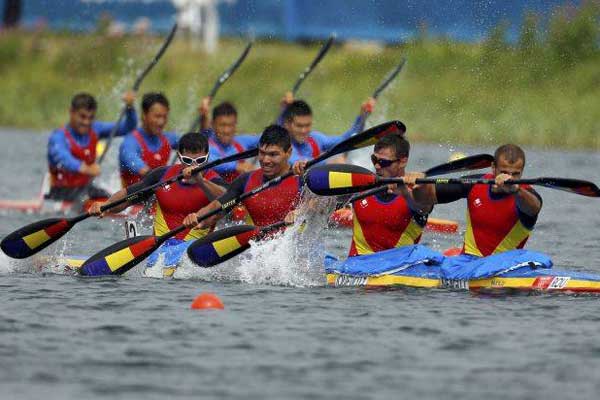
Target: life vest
{"x": 380, "y": 225}
{"x": 230, "y": 176}
{"x": 493, "y": 224}
{"x": 175, "y": 201}
{"x": 314, "y": 146}
{"x": 273, "y": 204}
{"x": 60, "y": 177}
{"x": 152, "y": 159}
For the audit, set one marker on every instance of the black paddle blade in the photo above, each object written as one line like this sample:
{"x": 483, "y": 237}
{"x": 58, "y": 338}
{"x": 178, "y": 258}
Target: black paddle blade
{"x": 35, "y": 237}
{"x": 584, "y": 188}
{"x": 222, "y": 245}
{"x": 477, "y": 161}
{"x": 120, "y": 257}
{"x": 338, "y": 179}
{"x": 362, "y": 139}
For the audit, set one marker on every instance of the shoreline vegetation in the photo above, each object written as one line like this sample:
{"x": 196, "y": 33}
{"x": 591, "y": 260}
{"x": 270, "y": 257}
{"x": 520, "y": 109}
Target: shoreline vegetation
{"x": 542, "y": 90}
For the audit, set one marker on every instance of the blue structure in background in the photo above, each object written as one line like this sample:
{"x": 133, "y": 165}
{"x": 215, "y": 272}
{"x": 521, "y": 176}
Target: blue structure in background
{"x": 386, "y": 20}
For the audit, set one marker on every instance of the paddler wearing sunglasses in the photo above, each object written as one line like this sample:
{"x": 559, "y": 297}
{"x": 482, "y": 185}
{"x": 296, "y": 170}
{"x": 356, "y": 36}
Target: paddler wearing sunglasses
{"x": 175, "y": 201}
{"x": 500, "y": 217}
{"x": 148, "y": 146}
{"x": 268, "y": 206}
{"x": 390, "y": 219}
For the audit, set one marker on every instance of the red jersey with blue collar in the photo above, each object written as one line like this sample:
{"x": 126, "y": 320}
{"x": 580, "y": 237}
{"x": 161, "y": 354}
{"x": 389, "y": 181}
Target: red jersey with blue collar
{"x": 61, "y": 177}
{"x": 153, "y": 159}
{"x": 382, "y": 222}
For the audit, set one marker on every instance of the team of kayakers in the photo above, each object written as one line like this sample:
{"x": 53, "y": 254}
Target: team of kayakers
{"x": 499, "y": 217}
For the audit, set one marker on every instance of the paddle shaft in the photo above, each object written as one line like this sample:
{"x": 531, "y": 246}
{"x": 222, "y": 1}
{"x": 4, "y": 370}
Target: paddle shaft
{"x": 388, "y": 79}
{"x": 322, "y": 52}
{"x": 477, "y": 161}
{"x": 222, "y": 79}
{"x": 463, "y": 181}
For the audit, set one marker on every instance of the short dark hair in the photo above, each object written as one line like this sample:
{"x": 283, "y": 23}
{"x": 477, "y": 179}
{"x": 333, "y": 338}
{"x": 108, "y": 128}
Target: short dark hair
{"x": 297, "y": 108}
{"x": 193, "y": 142}
{"x": 397, "y": 143}
{"x": 275, "y": 135}
{"x": 149, "y": 99}
{"x": 84, "y": 101}
{"x": 225, "y": 108}
{"x": 510, "y": 152}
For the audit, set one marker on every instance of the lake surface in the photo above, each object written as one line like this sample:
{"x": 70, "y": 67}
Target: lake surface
{"x": 283, "y": 334}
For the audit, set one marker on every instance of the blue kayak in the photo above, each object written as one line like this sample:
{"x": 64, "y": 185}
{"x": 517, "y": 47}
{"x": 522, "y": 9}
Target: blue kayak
{"x": 419, "y": 266}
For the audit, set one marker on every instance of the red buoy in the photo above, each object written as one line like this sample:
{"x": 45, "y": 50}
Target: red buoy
{"x": 452, "y": 251}
{"x": 206, "y": 301}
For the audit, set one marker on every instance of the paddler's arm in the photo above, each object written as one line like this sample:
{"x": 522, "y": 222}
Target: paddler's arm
{"x": 104, "y": 129}
{"x": 211, "y": 182}
{"x": 528, "y": 201}
{"x": 233, "y": 192}
{"x": 204, "y": 111}
{"x": 130, "y": 156}
{"x": 407, "y": 191}
{"x": 326, "y": 142}
{"x": 150, "y": 179}
{"x": 286, "y": 100}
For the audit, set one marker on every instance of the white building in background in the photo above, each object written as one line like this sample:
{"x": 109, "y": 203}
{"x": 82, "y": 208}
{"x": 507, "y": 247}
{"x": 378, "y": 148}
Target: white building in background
{"x": 201, "y": 19}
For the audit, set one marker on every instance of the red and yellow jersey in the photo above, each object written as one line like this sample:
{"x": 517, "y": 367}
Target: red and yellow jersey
{"x": 60, "y": 177}
{"x": 175, "y": 201}
{"x": 384, "y": 222}
{"x": 494, "y": 223}
{"x": 273, "y": 204}
{"x": 268, "y": 206}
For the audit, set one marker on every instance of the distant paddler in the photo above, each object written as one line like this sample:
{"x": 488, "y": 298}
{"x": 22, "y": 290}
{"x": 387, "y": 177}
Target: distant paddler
{"x": 271, "y": 205}
{"x": 224, "y": 139}
{"x": 297, "y": 118}
{"x": 149, "y": 146}
{"x": 500, "y": 217}
{"x": 175, "y": 201}
{"x": 72, "y": 148}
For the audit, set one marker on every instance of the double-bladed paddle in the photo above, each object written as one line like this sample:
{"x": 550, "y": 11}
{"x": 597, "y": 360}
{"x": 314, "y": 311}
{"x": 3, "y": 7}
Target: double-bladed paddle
{"x": 220, "y": 246}
{"x": 34, "y": 237}
{"x": 339, "y": 179}
{"x": 477, "y": 161}
{"x": 124, "y": 255}
{"x": 222, "y": 79}
{"x": 322, "y": 52}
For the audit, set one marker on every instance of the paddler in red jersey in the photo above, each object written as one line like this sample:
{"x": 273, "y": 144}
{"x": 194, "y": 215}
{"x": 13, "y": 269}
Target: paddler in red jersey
{"x": 268, "y": 206}
{"x": 390, "y": 219}
{"x": 500, "y": 217}
{"x": 175, "y": 201}
{"x": 149, "y": 146}
{"x": 72, "y": 148}
{"x": 224, "y": 140}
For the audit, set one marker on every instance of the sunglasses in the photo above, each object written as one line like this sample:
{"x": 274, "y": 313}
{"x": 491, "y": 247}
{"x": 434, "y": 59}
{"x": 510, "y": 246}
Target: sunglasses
{"x": 190, "y": 161}
{"x": 383, "y": 163}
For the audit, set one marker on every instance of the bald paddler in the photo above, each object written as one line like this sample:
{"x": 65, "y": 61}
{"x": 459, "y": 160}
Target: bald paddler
{"x": 72, "y": 148}
{"x": 297, "y": 118}
{"x": 500, "y": 217}
{"x": 148, "y": 146}
{"x": 224, "y": 140}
